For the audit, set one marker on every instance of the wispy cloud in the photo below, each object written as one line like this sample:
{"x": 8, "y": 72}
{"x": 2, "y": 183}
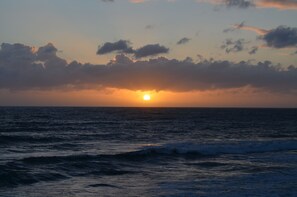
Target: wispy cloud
{"x": 183, "y": 41}
{"x": 238, "y": 3}
{"x": 251, "y": 28}
{"x": 244, "y": 4}
{"x": 231, "y": 46}
{"x": 278, "y": 4}
{"x": 253, "y": 50}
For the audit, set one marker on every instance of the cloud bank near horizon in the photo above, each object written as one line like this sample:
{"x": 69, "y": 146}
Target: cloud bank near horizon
{"x": 27, "y": 68}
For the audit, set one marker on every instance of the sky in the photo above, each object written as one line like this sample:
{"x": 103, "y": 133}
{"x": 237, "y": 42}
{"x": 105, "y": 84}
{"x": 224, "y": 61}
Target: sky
{"x": 183, "y": 53}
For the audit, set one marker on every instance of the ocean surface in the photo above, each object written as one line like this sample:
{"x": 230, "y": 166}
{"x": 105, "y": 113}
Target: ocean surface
{"x": 86, "y": 152}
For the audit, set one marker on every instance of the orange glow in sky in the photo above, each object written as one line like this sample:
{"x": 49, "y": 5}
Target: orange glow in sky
{"x": 120, "y": 97}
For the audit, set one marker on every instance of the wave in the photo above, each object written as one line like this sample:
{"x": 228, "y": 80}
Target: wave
{"x": 203, "y": 149}
{"x": 34, "y": 169}
{"x": 177, "y": 150}
{"x": 219, "y": 148}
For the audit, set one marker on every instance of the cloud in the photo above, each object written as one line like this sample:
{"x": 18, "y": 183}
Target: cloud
{"x": 233, "y": 46}
{"x": 25, "y": 68}
{"x": 47, "y": 52}
{"x": 243, "y": 26}
{"x": 277, "y": 4}
{"x": 281, "y": 37}
{"x": 234, "y": 27}
{"x": 253, "y": 50}
{"x": 254, "y": 29}
{"x": 238, "y": 3}
{"x": 243, "y": 4}
{"x": 123, "y": 46}
{"x": 107, "y": 0}
{"x": 119, "y": 46}
{"x": 183, "y": 41}
{"x": 150, "y": 50}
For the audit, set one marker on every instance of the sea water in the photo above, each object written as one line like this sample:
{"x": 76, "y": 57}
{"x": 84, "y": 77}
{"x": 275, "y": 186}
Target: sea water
{"x": 87, "y": 152}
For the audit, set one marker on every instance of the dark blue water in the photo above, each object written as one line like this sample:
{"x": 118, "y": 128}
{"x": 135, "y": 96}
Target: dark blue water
{"x": 147, "y": 152}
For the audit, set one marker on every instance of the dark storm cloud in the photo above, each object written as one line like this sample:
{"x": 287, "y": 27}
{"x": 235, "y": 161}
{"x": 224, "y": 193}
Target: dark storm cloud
{"x": 150, "y": 50}
{"x": 120, "y": 46}
{"x": 183, "y": 41}
{"x": 25, "y": 68}
{"x": 233, "y": 46}
{"x": 281, "y": 37}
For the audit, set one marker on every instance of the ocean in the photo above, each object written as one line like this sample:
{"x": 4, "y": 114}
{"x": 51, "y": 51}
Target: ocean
{"x": 86, "y": 152}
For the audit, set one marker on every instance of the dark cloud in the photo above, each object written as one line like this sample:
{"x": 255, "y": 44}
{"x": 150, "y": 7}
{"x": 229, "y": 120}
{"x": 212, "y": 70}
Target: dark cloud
{"x": 119, "y": 46}
{"x": 123, "y": 46}
{"x": 253, "y": 50}
{"x": 21, "y": 68}
{"x": 183, "y": 41}
{"x": 17, "y": 53}
{"x": 238, "y": 3}
{"x": 150, "y": 50}
{"x": 233, "y": 46}
{"x": 281, "y": 37}
{"x": 47, "y": 52}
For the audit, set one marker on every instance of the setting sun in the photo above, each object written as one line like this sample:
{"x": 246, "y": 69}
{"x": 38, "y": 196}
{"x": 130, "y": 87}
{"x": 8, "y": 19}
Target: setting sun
{"x": 147, "y": 97}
